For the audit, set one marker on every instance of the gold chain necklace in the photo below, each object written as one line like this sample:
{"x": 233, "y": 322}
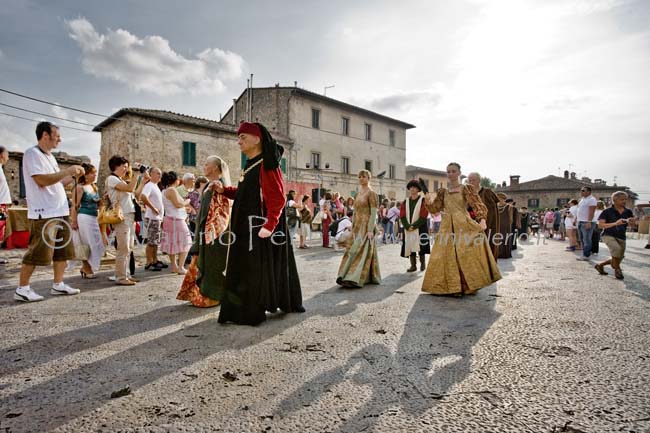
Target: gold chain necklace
{"x": 243, "y": 173}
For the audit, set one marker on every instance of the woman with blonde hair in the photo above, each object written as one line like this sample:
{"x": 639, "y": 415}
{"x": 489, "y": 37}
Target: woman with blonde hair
{"x": 83, "y": 218}
{"x": 461, "y": 260}
{"x": 204, "y": 282}
{"x": 360, "y": 264}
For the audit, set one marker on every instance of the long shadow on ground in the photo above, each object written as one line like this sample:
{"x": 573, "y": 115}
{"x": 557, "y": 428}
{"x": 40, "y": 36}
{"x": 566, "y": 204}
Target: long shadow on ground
{"x": 81, "y": 390}
{"x": 433, "y": 353}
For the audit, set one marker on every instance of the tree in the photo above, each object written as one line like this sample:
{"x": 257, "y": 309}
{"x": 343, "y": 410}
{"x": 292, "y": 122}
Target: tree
{"x": 486, "y": 182}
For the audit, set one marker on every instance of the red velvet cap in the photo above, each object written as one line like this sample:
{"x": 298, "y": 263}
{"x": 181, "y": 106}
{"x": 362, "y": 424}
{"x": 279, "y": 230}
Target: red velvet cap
{"x": 249, "y": 128}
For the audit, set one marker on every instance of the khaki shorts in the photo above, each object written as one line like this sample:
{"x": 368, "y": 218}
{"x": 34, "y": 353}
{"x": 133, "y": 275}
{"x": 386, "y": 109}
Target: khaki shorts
{"x": 49, "y": 240}
{"x": 616, "y": 246}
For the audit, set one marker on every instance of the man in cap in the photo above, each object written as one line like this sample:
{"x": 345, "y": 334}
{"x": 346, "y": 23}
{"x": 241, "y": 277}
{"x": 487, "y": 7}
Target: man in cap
{"x": 413, "y": 215}
{"x": 261, "y": 273}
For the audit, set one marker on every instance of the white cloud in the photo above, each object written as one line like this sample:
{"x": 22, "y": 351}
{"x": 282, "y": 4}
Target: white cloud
{"x": 10, "y": 135}
{"x": 149, "y": 64}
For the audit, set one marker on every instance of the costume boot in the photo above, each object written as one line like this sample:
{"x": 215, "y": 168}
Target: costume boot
{"x": 423, "y": 263}
{"x": 414, "y": 266}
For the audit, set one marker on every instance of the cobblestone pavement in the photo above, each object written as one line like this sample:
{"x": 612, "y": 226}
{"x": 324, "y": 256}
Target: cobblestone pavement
{"x": 553, "y": 347}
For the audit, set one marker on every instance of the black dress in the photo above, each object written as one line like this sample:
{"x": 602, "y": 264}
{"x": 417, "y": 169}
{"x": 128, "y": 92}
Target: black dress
{"x": 262, "y": 275}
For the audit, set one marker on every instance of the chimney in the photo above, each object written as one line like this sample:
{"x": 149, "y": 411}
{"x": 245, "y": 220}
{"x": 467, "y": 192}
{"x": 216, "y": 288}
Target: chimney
{"x": 514, "y": 181}
{"x": 566, "y": 174}
{"x": 573, "y": 175}
{"x": 234, "y": 111}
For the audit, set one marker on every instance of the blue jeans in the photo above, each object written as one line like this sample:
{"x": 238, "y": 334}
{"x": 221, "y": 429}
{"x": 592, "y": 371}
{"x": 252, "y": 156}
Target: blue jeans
{"x": 388, "y": 231}
{"x": 586, "y": 237}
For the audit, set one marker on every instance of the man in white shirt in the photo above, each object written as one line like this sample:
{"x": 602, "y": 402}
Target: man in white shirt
{"x": 151, "y": 196}
{"x": 344, "y": 229}
{"x": 586, "y": 209}
{"x": 48, "y": 214}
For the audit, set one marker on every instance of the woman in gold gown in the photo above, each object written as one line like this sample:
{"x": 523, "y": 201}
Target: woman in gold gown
{"x": 360, "y": 264}
{"x": 461, "y": 260}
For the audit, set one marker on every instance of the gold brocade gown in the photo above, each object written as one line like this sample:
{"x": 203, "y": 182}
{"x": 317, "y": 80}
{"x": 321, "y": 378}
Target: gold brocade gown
{"x": 461, "y": 261}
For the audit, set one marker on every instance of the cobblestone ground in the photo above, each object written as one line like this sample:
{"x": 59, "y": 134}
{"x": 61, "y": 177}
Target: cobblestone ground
{"x": 553, "y": 347}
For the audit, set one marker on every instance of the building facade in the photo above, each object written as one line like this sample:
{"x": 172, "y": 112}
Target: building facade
{"x": 435, "y": 179}
{"x": 332, "y": 140}
{"x": 14, "y": 171}
{"x": 170, "y": 141}
{"x": 555, "y": 191}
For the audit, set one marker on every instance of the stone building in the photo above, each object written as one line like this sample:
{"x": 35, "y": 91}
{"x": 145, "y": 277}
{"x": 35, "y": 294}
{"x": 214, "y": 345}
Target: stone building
{"x": 435, "y": 179}
{"x": 170, "y": 141}
{"x": 332, "y": 140}
{"x": 14, "y": 171}
{"x": 554, "y": 191}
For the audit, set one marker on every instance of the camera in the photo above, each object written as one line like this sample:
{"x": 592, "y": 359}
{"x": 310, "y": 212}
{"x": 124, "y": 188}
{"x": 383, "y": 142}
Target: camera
{"x": 143, "y": 168}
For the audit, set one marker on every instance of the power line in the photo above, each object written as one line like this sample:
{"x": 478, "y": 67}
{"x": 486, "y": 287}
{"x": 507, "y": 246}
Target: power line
{"x": 46, "y": 115}
{"x": 37, "y": 120}
{"x": 116, "y": 119}
{"x": 51, "y": 103}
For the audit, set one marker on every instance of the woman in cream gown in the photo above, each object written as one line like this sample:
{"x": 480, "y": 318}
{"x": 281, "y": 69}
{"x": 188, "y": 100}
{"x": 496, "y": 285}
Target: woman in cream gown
{"x": 461, "y": 260}
{"x": 360, "y": 264}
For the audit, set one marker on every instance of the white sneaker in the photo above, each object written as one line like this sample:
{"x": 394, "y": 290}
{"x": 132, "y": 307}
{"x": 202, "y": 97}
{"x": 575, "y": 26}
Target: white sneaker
{"x": 582, "y": 259}
{"x": 63, "y": 289}
{"x": 27, "y": 295}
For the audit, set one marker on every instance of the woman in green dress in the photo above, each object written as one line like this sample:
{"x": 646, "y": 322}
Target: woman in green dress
{"x": 360, "y": 264}
{"x": 204, "y": 281}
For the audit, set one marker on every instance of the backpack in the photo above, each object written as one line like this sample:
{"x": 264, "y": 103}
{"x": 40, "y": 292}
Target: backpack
{"x": 334, "y": 227}
{"x": 292, "y": 215}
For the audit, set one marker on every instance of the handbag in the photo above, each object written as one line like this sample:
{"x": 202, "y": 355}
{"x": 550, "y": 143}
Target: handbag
{"x": 111, "y": 215}
{"x": 318, "y": 219}
{"x": 81, "y": 251}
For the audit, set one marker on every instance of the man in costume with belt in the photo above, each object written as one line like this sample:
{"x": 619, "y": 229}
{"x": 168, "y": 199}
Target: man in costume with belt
{"x": 413, "y": 215}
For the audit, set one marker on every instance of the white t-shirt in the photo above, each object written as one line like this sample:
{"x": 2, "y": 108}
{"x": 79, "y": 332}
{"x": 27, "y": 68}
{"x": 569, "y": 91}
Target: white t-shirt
{"x": 569, "y": 221}
{"x": 583, "y": 207}
{"x": 5, "y": 197}
{"x": 44, "y": 202}
{"x": 126, "y": 198}
{"x": 345, "y": 223}
{"x": 597, "y": 213}
{"x": 290, "y": 203}
{"x": 154, "y": 194}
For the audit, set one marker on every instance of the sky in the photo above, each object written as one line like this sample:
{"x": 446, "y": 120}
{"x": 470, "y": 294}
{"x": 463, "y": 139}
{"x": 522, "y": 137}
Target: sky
{"x": 522, "y": 87}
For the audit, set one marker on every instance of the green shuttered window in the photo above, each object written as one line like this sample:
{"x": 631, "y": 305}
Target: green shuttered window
{"x": 189, "y": 153}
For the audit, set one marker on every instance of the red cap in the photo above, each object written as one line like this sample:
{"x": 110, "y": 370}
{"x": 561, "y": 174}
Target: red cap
{"x": 249, "y": 128}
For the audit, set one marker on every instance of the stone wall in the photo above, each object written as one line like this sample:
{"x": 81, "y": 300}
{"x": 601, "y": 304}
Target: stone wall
{"x": 549, "y": 199}
{"x": 270, "y": 107}
{"x": 14, "y": 162}
{"x": 160, "y": 144}
{"x": 434, "y": 181}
